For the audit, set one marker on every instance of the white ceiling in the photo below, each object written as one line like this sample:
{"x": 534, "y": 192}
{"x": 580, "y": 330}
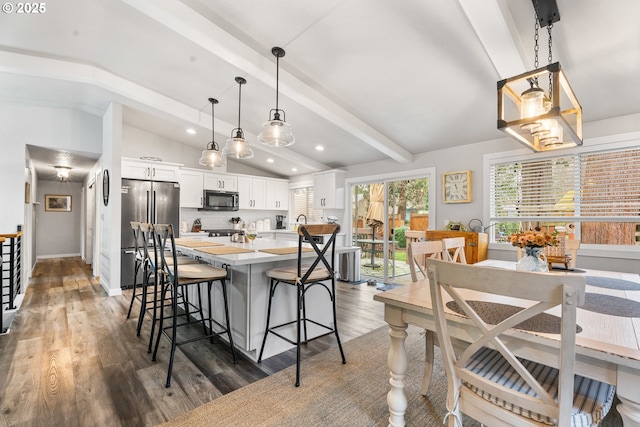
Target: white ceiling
{"x": 367, "y": 79}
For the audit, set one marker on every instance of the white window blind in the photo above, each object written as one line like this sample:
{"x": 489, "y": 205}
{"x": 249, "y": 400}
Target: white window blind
{"x": 303, "y": 204}
{"x": 598, "y": 186}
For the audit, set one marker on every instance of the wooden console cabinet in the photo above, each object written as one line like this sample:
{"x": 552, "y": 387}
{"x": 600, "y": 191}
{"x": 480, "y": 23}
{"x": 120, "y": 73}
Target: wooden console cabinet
{"x": 476, "y": 244}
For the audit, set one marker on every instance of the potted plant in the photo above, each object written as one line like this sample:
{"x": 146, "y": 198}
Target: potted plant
{"x": 236, "y": 222}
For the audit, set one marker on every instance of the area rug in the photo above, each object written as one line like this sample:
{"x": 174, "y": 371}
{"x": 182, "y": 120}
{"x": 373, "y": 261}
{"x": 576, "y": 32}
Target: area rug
{"x": 333, "y": 394}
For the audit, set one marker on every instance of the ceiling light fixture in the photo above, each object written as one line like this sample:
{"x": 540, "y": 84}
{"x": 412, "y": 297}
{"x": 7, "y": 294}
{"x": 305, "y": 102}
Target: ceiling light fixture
{"x": 212, "y": 157}
{"x": 63, "y": 172}
{"x": 538, "y": 120}
{"x": 277, "y": 132}
{"x": 191, "y": 131}
{"x": 237, "y": 147}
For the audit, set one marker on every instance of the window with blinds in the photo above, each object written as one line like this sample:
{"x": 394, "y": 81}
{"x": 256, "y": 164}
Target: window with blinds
{"x": 303, "y": 204}
{"x": 597, "y": 191}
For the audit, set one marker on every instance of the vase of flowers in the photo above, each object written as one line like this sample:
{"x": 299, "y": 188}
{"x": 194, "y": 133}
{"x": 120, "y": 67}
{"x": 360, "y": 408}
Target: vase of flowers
{"x": 533, "y": 242}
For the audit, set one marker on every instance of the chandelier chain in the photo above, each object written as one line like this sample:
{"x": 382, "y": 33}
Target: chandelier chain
{"x": 536, "y": 47}
{"x": 549, "y": 28}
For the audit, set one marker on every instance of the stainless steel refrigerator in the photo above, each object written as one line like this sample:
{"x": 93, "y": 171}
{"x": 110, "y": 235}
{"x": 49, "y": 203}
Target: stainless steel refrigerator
{"x": 145, "y": 201}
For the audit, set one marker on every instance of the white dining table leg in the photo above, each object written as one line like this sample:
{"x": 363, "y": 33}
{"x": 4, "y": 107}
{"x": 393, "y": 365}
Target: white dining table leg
{"x": 398, "y": 364}
{"x": 628, "y": 390}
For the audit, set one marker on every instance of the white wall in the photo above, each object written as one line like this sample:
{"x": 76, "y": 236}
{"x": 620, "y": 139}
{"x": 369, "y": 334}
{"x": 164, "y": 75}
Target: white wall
{"x": 44, "y": 127}
{"x": 110, "y": 214}
{"x": 138, "y": 143}
{"x": 58, "y": 232}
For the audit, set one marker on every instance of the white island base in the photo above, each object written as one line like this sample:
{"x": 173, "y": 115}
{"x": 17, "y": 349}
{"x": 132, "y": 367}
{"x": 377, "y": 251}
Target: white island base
{"x": 248, "y": 296}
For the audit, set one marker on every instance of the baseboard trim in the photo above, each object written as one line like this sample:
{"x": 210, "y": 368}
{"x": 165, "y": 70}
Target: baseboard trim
{"x": 57, "y": 256}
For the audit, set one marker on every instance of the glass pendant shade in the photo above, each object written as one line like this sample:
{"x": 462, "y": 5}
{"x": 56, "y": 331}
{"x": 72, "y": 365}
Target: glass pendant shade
{"x": 212, "y": 157}
{"x": 276, "y": 132}
{"x": 532, "y": 106}
{"x": 237, "y": 147}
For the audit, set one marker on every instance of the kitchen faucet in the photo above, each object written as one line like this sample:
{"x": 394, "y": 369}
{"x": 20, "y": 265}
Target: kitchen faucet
{"x": 305, "y": 218}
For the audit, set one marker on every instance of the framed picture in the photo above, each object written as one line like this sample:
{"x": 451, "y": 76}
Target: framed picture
{"x": 57, "y": 203}
{"x": 456, "y": 187}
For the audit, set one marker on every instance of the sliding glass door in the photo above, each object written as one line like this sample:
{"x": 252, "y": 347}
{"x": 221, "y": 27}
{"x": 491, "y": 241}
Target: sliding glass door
{"x": 381, "y": 213}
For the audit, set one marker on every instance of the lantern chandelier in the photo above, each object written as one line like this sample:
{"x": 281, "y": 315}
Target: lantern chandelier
{"x": 541, "y": 121}
{"x": 236, "y": 146}
{"x": 276, "y": 132}
{"x": 212, "y": 157}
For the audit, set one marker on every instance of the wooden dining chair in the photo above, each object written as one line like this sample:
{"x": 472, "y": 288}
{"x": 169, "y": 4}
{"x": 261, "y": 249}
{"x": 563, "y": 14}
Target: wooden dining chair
{"x": 417, "y": 253}
{"x": 453, "y": 249}
{"x": 486, "y": 380}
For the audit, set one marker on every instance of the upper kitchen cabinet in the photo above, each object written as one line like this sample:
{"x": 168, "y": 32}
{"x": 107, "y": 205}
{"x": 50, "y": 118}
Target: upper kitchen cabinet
{"x": 191, "y": 188}
{"x": 251, "y": 192}
{"x": 277, "y": 194}
{"x": 149, "y": 170}
{"x": 220, "y": 182}
{"x": 328, "y": 189}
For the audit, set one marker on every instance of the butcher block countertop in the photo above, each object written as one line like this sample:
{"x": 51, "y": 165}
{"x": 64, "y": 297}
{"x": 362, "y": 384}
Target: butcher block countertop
{"x": 257, "y": 255}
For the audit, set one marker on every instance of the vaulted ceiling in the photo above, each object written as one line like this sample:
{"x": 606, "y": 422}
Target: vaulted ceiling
{"x": 366, "y": 79}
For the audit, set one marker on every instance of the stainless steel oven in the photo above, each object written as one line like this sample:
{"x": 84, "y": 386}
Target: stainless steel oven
{"x": 220, "y": 200}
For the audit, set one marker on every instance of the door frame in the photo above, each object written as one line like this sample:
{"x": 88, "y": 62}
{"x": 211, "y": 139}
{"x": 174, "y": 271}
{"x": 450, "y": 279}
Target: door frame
{"x": 429, "y": 173}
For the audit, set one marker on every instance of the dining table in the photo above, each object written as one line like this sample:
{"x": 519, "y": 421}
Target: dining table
{"x": 607, "y": 342}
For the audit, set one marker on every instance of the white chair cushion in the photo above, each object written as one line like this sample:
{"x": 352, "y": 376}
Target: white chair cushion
{"x": 201, "y": 271}
{"x": 290, "y": 274}
{"x": 592, "y": 399}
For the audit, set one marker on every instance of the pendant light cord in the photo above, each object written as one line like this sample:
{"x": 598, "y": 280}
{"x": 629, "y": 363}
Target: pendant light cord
{"x": 239, "y": 102}
{"x": 277, "y": 80}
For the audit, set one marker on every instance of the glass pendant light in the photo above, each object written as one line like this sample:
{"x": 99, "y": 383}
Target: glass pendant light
{"x": 237, "y": 147}
{"x": 211, "y": 157}
{"x": 276, "y": 132}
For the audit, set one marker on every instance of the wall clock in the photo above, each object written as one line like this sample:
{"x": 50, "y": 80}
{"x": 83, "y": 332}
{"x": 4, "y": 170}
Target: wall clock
{"x": 105, "y": 187}
{"x": 456, "y": 187}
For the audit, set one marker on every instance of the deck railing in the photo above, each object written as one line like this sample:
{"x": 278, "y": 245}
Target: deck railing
{"x": 10, "y": 274}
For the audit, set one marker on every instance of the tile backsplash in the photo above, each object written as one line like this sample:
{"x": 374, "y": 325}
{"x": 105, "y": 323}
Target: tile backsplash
{"x": 213, "y": 219}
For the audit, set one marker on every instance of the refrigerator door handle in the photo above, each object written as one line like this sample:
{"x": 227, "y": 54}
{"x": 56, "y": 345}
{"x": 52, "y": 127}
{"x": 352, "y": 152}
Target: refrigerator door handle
{"x": 148, "y": 208}
{"x": 155, "y": 213}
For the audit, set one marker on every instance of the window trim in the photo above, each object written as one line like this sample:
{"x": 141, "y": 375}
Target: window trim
{"x": 610, "y": 142}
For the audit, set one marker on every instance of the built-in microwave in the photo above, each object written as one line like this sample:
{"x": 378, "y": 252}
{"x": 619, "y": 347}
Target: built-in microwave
{"x": 214, "y": 200}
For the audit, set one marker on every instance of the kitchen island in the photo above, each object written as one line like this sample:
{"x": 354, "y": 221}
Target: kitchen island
{"x": 249, "y": 288}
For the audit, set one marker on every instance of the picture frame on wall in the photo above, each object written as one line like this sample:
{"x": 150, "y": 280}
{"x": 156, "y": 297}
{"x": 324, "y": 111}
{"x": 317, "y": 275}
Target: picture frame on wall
{"x": 57, "y": 203}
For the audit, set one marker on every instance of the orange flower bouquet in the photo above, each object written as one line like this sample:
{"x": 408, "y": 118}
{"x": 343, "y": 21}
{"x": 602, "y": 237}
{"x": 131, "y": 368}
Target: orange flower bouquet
{"x": 533, "y": 239}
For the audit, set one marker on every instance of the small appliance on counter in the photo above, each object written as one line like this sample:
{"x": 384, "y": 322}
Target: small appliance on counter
{"x": 197, "y": 226}
{"x": 267, "y": 224}
{"x": 280, "y": 224}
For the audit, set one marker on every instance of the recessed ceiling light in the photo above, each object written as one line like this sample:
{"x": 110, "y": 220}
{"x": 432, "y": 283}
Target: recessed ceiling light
{"x": 191, "y": 131}
{"x": 270, "y": 160}
{"x": 319, "y": 148}
{"x": 294, "y": 169}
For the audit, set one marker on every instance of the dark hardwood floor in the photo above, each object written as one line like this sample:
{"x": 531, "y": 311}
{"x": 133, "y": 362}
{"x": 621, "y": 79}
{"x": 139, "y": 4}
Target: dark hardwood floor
{"x": 73, "y": 359}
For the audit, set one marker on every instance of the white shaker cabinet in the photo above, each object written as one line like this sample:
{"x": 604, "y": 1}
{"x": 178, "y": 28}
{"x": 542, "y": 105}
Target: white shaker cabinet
{"x": 150, "y": 170}
{"x": 220, "y": 182}
{"x": 191, "y": 188}
{"x": 328, "y": 190}
{"x": 251, "y": 192}
{"x": 277, "y": 197}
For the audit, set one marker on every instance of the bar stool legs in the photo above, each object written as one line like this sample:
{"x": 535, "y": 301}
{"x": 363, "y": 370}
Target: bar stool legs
{"x": 301, "y": 321}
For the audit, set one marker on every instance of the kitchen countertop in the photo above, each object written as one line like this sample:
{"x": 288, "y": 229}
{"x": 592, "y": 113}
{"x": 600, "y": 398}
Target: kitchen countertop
{"x": 256, "y": 256}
